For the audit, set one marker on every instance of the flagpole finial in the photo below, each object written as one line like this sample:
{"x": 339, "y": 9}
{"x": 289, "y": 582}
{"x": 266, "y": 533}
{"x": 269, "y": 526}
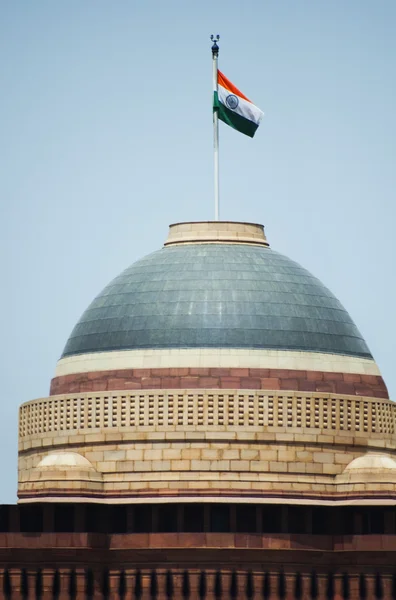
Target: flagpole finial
{"x": 215, "y": 48}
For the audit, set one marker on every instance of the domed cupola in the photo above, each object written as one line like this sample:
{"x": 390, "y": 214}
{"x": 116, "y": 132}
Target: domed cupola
{"x": 214, "y": 368}
{"x": 217, "y": 290}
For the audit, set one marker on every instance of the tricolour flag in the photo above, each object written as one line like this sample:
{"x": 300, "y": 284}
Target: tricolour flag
{"x": 234, "y": 108}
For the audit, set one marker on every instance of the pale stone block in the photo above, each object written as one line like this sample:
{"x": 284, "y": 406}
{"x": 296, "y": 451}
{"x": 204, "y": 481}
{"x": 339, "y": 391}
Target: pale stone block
{"x": 240, "y": 465}
{"x": 301, "y": 487}
{"x": 172, "y": 453}
{"x": 297, "y": 467}
{"x": 331, "y": 469}
{"x": 249, "y": 454}
{"x": 142, "y": 465}
{"x": 47, "y": 441}
{"x": 116, "y": 477}
{"x": 305, "y": 438}
{"x": 343, "y": 437}
{"x": 224, "y": 435}
{"x": 153, "y": 455}
{"x": 190, "y": 453}
{"x": 230, "y": 454}
{"x": 343, "y": 459}
{"x": 260, "y": 465}
{"x": 177, "y": 435}
{"x": 180, "y": 465}
{"x": 158, "y": 485}
{"x": 126, "y": 465}
{"x": 304, "y": 456}
{"x": 220, "y": 465}
{"x": 134, "y": 454}
{"x": 106, "y": 466}
{"x": 196, "y": 435}
{"x": 114, "y": 436}
{"x": 278, "y": 466}
{"x": 268, "y": 455}
{"x": 114, "y": 455}
{"x": 198, "y": 465}
{"x": 286, "y": 437}
{"x": 315, "y": 468}
{"x": 324, "y": 457}
{"x": 161, "y": 465}
{"x": 286, "y": 455}
{"x": 94, "y": 456}
{"x": 210, "y": 453}
{"x": 132, "y": 485}
{"x": 89, "y": 438}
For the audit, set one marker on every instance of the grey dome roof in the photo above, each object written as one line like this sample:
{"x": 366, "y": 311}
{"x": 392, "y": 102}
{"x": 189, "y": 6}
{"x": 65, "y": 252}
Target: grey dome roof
{"x": 216, "y": 295}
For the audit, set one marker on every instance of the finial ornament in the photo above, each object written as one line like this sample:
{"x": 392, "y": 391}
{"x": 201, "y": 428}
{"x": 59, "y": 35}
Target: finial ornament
{"x": 215, "y": 48}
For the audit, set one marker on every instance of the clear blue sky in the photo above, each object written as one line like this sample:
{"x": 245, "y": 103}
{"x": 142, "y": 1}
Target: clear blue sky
{"x": 106, "y": 138}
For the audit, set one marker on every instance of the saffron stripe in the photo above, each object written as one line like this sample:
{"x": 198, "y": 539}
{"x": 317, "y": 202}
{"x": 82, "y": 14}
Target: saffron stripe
{"x": 226, "y": 83}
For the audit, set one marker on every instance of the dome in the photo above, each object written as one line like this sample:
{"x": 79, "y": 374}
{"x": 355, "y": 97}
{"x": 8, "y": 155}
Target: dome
{"x": 62, "y": 460}
{"x": 371, "y": 462}
{"x": 217, "y": 291}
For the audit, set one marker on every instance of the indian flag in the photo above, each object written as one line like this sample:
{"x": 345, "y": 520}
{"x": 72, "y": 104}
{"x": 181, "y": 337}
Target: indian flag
{"x": 234, "y": 108}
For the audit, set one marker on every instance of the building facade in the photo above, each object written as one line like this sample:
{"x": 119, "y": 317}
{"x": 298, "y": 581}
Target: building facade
{"x": 216, "y": 428}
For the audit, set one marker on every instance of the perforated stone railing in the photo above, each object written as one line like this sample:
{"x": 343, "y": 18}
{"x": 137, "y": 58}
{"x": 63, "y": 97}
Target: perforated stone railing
{"x": 207, "y": 409}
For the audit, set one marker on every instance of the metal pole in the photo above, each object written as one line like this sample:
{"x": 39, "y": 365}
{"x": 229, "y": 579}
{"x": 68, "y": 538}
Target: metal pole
{"x": 215, "y": 55}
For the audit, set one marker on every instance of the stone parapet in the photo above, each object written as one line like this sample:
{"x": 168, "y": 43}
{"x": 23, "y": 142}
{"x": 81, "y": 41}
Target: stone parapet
{"x": 227, "y": 410}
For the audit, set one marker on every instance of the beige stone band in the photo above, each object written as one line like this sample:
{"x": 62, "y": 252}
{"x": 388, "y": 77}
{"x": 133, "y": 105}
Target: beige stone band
{"x": 216, "y": 232}
{"x": 215, "y": 358}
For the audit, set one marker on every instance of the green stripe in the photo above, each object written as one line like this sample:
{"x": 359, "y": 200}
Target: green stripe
{"x": 233, "y": 119}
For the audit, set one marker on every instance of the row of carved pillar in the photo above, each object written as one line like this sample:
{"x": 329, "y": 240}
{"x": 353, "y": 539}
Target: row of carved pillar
{"x": 83, "y": 584}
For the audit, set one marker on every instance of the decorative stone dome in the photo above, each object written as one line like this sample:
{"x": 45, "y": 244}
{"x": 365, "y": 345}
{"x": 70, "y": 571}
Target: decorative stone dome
{"x": 216, "y": 286}
{"x": 372, "y": 463}
{"x": 65, "y": 460}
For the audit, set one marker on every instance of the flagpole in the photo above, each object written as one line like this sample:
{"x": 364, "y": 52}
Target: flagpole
{"x": 215, "y": 55}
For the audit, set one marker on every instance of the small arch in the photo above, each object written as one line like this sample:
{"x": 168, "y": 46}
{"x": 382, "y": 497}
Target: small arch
{"x": 38, "y": 584}
{"x": 266, "y": 586}
{"x": 378, "y": 587}
{"x": 234, "y": 585}
{"x": 56, "y": 585}
{"x": 7, "y": 587}
{"x": 298, "y": 586}
{"x": 394, "y": 586}
{"x": 314, "y": 585}
{"x": 186, "y": 585}
{"x": 346, "y": 594}
{"x": 24, "y": 584}
{"x": 362, "y": 587}
{"x": 218, "y": 585}
{"x": 249, "y": 585}
{"x": 202, "y": 585}
{"x": 138, "y": 585}
{"x": 89, "y": 583}
{"x": 122, "y": 585}
{"x": 330, "y": 586}
{"x": 169, "y": 584}
{"x": 73, "y": 584}
{"x": 282, "y": 585}
{"x": 153, "y": 584}
{"x": 105, "y": 584}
